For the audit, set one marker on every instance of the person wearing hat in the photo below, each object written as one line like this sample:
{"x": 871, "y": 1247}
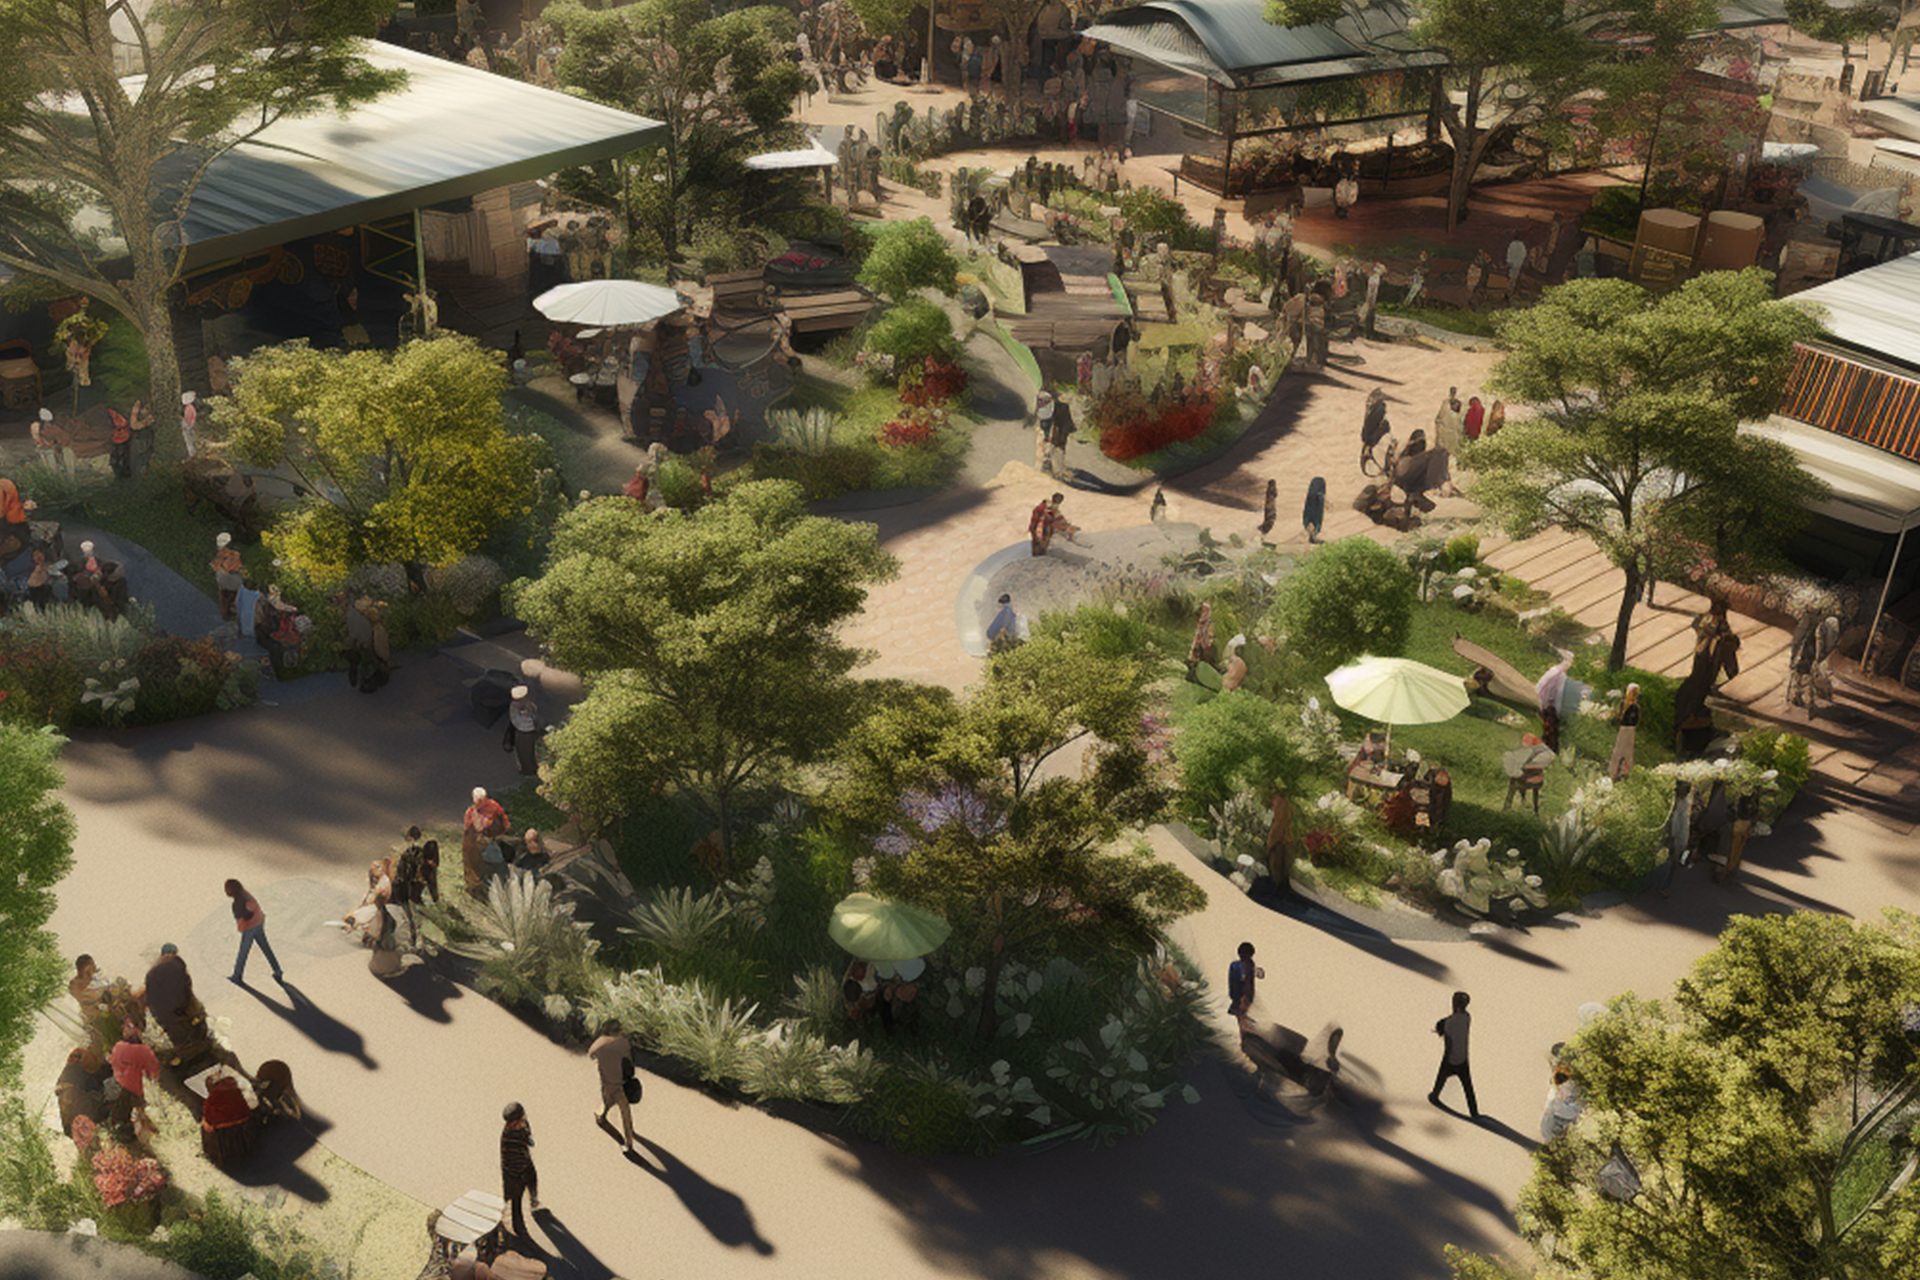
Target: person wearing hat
{"x": 229, "y": 572}
{"x": 189, "y": 420}
{"x": 485, "y": 820}
{"x": 518, "y": 1177}
{"x": 1004, "y": 631}
{"x": 523, "y": 729}
{"x": 53, "y": 442}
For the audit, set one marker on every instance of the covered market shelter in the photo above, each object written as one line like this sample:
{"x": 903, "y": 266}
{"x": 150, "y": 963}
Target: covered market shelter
{"x": 1851, "y": 414}
{"x": 446, "y": 168}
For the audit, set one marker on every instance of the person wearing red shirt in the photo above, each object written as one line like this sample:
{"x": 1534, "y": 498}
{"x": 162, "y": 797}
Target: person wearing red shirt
{"x": 251, "y": 921}
{"x": 485, "y": 820}
{"x": 1045, "y": 522}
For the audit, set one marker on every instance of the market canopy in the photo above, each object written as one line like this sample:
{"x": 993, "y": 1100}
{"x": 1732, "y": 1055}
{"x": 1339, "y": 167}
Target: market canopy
{"x": 812, "y": 156}
{"x": 608, "y": 304}
{"x": 1231, "y": 42}
{"x": 1874, "y": 309}
{"x": 1869, "y": 488}
{"x": 876, "y": 929}
{"x": 452, "y": 131}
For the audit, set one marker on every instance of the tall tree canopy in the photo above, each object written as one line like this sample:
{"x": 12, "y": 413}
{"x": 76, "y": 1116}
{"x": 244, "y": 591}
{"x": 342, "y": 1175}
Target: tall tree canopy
{"x": 405, "y": 454}
{"x": 1637, "y": 402}
{"x": 709, "y": 644}
{"x": 36, "y": 851}
{"x": 1767, "y": 1109}
{"x": 96, "y": 176}
{"x": 1519, "y": 62}
{"x": 1019, "y": 855}
{"x": 721, "y": 83}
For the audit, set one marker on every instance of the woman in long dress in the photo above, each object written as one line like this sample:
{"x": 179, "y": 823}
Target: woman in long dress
{"x": 1620, "y": 764}
{"x": 1269, "y": 514}
{"x": 1313, "y": 513}
{"x": 385, "y": 960}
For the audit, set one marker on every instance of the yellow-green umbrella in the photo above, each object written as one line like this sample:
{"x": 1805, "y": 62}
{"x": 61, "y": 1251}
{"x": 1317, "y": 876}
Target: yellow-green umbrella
{"x": 876, "y": 929}
{"x": 1398, "y": 691}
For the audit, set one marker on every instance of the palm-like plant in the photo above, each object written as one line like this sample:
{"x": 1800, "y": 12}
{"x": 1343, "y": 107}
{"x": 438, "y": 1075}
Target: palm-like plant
{"x": 677, "y": 921}
{"x": 1566, "y": 847}
{"x": 529, "y": 946}
{"x": 803, "y": 430}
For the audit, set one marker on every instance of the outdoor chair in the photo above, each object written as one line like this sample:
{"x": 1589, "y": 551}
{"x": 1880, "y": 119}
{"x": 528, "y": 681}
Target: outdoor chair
{"x": 273, "y": 1085}
{"x": 20, "y": 385}
{"x": 1527, "y": 785}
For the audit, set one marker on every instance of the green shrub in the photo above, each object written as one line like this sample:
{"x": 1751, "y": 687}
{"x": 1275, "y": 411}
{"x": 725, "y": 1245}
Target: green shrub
{"x": 911, "y": 332}
{"x": 1630, "y": 819}
{"x": 907, "y": 257}
{"x": 1788, "y": 754}
{"x": 678, "y": 483}
{"x": 1656, "y": 693}
{"x": 1104, "y": 631}
{"x": 1349, "y": 598}
{"x": 1236, "y": 741}
{"x": 919, "y": 1108}
{"x": 827, "y": 473}
{"x": 32, "y": 1188}
{"x": 221, "y": 1241}
{"x": 1462, "y": 550}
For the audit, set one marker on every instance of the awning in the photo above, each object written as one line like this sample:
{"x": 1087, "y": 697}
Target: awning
{"x": 1874, "y": 309}
{"x": 1898, "y": 116}
{"x": 451, "y": 131}
{"x": 1872, "y": 489}
{"x": 1231, "y": 42}
{"x": 813, "y": 156}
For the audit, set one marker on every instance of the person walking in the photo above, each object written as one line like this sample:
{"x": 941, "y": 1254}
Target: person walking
{"x": 518, "y": 1177}
{"x": 1449, "y": 421}
{"x": 1242, "y": 975}
{"x": 523, "y": 729}
{"x": 1060, "y": 430}
{"x": 1313, "y": 513}
{"x": 1042, "y": 432}
{"x": 1516, "y": 263}
{"x": 250, "y": 919}
{"x": 1375, "y": 275}
{"x": 229, "y": 572}
{"x": 409, "y": 880}
{"x": 1454, "y": 1030}
{"x": 1476, "y": 418}
{"x": 612, "y": 1053}
{"x": 1270, "y": 509}
{"x": 1373, "y": 429}
{"x": 189, "y": 421}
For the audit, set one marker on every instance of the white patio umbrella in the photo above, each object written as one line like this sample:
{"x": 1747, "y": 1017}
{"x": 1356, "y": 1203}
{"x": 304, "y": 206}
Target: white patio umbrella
{"x": 608, "y": 304}
{"x": 1398, "y": 691}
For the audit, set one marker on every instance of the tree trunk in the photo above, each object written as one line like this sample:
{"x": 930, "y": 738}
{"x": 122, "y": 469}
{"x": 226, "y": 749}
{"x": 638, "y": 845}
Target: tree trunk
{"x": 990, "y": 992}
{"x": 163, "y": 364}
{"x": 1617, "y": 656}
{"x": 672, "y": 237}
{"x": 1465, "y": 152}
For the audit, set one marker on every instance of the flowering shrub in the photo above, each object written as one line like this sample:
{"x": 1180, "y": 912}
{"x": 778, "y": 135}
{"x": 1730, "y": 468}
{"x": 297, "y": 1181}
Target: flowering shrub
{"x": 914, "y": 428}
{"x": 65, "y": 665}
{"x": 934, "y": 382}
{"x": 1476, "y": 878}
{"x": 1134, "y": 431}
{"x": 1740, "y": 777}
{"x": 123, "y": 1178}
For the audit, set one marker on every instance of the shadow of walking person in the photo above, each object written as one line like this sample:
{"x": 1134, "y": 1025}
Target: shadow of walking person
{"x": 569, "y": 1259}
{"x": 315, "y": 1023}
{"x": 724, "y": 1214}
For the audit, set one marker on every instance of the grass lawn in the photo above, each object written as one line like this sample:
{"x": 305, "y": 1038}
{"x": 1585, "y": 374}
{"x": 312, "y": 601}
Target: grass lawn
{"x": 151, "y": 510}
{"x": 1478, "y": 324}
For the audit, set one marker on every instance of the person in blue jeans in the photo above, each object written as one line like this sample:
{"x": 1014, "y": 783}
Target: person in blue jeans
{"x": 251, "y": 921}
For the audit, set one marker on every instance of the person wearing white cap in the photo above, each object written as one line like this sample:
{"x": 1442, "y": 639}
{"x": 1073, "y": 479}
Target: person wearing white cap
{"x": 485, "y": 822}
{"x": 523, "y": 729}
{"x": 229, "y": 572}
{"x": 53, "y": 442}
{"x": 189, "y": 419}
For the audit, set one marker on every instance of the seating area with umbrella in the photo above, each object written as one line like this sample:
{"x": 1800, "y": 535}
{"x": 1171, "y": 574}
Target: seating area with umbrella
{"x": 1399, "y": 691}
{"x": 889, "y": 942}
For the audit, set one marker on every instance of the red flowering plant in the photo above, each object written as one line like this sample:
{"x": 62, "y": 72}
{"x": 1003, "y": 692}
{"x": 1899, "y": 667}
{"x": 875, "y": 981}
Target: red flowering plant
{"x": 935, "y": 381}
{"x": 121, "y": 1177}
{"x": 915, "y": 427}
{"x": 1319, "y": 842}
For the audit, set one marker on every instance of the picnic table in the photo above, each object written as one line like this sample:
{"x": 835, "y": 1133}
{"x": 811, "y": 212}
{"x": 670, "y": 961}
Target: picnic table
{"x": 473, "y": 1218}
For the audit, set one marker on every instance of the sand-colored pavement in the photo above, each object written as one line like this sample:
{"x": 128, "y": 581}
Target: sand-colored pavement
{"x": 410, "y": 1077}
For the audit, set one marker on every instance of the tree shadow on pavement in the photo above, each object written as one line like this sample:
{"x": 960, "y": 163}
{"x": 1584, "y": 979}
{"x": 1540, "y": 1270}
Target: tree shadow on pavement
{"x": 724, "y": 1214}
{"x": 315, "y": 1023}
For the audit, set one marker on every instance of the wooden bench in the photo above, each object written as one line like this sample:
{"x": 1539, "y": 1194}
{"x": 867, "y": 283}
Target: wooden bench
{"x": 824, "y": 312}
{"x": 738, "y": 293}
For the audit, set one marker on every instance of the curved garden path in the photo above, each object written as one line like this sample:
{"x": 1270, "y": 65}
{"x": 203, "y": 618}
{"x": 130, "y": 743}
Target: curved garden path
{"x": 408, "y": 1080}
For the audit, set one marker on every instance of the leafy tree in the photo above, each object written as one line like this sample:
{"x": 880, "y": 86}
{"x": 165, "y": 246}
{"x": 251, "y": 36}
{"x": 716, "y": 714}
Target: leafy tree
{"x": 884, "y": 17}
{"x": 1234, "y": 742}
{"x": 1637, "y": 402}
{"x": 405, "y": 455}
{"x": 1014, "y": 851}
{"x": 1843, "y": 24}
{"x": 36, "y": 851}
{"x": 1765, "y": 1111}
{"x": 720, "y": 82}
{"x": 1348, "y": 598}
{"x": 1516, "y": 63}
{"x": 710, "y": 645}
{"x": 95, "y": 180}
{"x": 910, "y": 256}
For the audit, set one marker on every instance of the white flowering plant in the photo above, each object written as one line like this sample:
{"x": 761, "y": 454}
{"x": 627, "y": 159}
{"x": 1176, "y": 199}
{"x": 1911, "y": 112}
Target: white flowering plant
{"x": 1476, "y": 878}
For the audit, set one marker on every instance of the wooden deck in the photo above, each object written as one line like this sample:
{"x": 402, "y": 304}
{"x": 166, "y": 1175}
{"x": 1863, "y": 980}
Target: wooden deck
{"x": 1866, "y": 746}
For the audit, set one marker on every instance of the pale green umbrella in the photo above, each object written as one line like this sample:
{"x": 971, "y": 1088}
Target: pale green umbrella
{"x": 1398, "y": 691}
{"x": 876, "y": 929}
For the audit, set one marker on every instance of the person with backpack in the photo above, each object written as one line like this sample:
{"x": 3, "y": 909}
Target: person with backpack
{"x": 612, "y": 1053}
